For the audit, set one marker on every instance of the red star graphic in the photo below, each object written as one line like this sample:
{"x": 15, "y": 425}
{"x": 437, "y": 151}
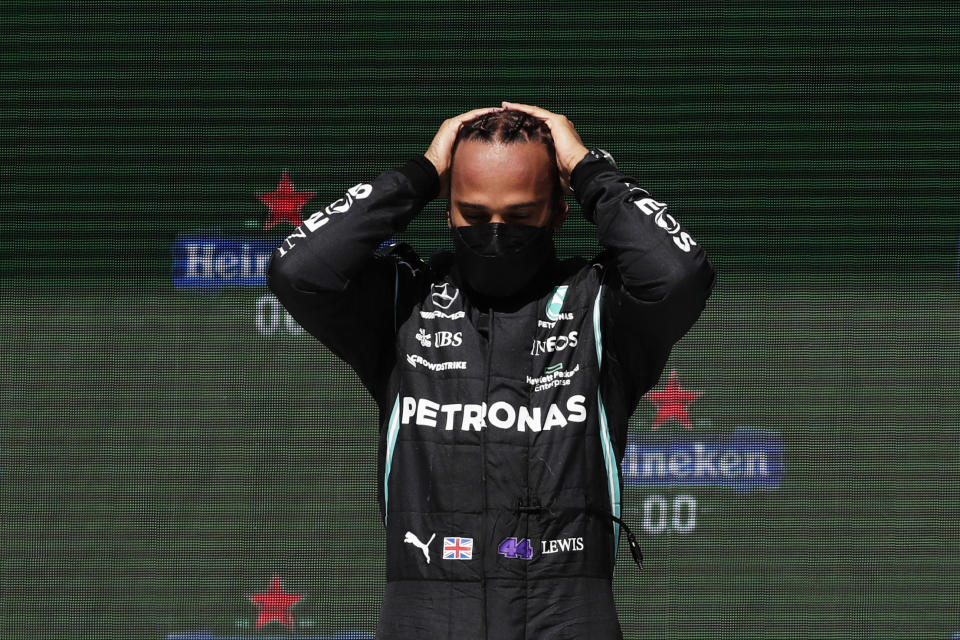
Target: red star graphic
{"x": 672, "y": 402}
{"x": 284, "y": 203}
{"x": 274, "y": 604}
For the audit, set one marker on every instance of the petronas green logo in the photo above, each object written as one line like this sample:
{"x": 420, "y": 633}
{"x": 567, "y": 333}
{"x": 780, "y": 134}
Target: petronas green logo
{"x": 556, "y": 303}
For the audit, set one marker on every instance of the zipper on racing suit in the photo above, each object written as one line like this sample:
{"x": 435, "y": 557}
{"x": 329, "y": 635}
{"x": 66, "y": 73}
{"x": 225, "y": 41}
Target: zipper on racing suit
{"x": 483, "y": 476}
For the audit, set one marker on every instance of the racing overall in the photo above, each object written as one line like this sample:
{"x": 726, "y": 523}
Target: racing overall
{"x": 502, "y": 424}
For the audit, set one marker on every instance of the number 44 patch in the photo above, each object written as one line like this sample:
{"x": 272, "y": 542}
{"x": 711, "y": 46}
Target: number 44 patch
{"x": 516, "y": 548}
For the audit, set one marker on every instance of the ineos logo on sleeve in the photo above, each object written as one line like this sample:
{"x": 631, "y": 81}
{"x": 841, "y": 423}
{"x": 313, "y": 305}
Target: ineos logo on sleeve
{"x": 354, "y": 193}
{"x": 664, "y": 220}
{"x": 322, "y": 217}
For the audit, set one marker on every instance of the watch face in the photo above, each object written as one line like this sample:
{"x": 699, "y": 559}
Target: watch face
{"x": 600, "y": 153}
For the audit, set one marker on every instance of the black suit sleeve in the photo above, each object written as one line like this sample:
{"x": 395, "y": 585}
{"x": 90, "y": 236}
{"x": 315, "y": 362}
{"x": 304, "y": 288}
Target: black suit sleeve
{"x": 331, "y": 279}
{"x": 658, "y": 276}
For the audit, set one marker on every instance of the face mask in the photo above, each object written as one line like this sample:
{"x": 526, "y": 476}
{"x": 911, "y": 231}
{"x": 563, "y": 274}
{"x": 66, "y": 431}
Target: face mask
{"x": 498, "y": 259}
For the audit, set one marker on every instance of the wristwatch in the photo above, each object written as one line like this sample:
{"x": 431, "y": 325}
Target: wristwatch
{"x": 602, "y": 154}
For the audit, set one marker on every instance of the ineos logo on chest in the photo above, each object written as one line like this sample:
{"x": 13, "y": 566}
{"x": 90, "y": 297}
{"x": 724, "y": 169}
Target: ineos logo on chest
{"x": 554, "y": 343}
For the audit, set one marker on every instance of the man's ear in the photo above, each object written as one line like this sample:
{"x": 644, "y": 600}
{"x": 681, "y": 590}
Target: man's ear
{"x": 563, "y": 208}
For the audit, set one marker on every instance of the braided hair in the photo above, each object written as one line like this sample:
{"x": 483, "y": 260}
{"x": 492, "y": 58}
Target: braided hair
{"x": 509, "y": 126}
{"x": 506, "y": 126}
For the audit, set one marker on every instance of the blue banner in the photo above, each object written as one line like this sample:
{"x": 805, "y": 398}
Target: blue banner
{"x": 213, "y": 261}
{"x": 744, "y": 460}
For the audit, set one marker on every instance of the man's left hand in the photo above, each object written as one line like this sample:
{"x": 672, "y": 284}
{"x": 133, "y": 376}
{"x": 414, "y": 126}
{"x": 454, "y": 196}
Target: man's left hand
{"x": 566, "y": 140}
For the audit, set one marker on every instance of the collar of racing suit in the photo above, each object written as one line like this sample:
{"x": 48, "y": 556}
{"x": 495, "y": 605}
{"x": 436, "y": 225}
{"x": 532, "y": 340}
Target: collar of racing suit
{"x": 541, "y": 283}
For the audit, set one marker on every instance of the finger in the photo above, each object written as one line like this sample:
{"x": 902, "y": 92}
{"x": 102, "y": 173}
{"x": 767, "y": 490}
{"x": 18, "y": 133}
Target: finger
{"x": 538, "y": 112}
{"x": 475, "y": 113}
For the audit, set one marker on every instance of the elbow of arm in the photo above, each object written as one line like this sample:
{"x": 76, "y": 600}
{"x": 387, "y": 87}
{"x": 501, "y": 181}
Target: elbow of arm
{"x": 285, "y": 277}
{"x": 278, "y": 278}
{"x": 678, "y": 281}
{"x": 673, "y": 303}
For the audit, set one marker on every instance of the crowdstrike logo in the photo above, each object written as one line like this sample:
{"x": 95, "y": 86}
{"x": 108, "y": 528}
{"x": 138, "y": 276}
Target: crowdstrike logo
{"x": 413, "y": 360}
{"x": 502, "y": 415}
{"x": 554, "y": 343}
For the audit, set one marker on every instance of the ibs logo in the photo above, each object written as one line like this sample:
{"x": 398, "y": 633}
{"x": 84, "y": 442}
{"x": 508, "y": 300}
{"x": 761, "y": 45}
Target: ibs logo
{"x": 745, "y": 459}
{"x": 439, "y": 339}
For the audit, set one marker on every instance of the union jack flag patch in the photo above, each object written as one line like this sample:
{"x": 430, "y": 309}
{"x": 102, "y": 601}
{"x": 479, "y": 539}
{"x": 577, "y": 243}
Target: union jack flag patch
{"x": 457, "y": 548}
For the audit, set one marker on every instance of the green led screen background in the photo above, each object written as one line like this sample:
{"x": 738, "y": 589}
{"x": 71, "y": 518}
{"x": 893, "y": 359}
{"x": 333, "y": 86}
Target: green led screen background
{"x": 170, "y": 449}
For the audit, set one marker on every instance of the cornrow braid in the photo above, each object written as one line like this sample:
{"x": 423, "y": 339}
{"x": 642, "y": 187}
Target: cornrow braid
{"x": 509, "y": 126}
{"x": 506, "y": 126}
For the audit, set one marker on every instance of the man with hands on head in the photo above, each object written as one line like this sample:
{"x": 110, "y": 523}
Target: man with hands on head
{"x": 504, "y": 377}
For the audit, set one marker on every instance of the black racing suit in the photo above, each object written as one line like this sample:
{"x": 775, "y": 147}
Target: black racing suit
{"x": 502, "y": 423}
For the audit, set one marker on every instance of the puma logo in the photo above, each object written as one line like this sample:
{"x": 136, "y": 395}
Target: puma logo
{"x": 409, "y": 538}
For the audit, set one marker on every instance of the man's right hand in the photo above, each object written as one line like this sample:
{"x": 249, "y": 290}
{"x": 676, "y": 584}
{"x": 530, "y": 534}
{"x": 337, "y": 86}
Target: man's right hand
{"x": 442, "y": 145}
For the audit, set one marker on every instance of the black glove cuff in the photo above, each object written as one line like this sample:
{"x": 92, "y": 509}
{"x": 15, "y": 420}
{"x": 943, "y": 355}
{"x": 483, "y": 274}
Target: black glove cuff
{"x": 423, "y": 175}
{"x": 594, "y": 162}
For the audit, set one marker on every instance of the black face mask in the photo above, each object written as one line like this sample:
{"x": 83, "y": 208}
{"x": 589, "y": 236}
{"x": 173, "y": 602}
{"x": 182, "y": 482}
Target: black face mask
{"x": 498, "y": 259}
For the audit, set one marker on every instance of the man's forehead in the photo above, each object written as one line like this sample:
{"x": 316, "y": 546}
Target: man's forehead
{"x": 478, "y": 163}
